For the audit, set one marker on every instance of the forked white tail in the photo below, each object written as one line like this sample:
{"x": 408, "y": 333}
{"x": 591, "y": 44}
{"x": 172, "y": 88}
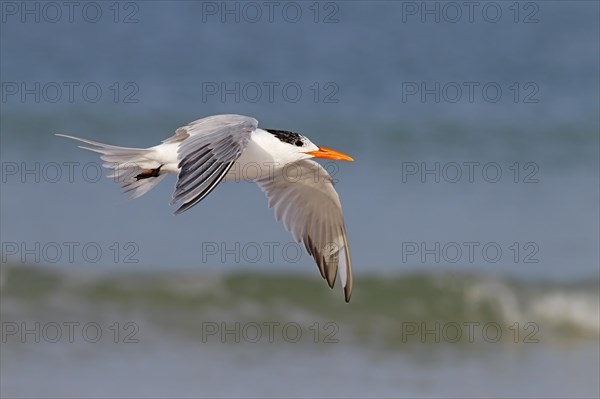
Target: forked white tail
{"x": 132, "y": 168}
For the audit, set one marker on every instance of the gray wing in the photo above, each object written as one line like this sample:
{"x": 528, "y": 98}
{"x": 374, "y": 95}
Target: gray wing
{"x": 304, "y": 198}
{"x": 208, "y": 149}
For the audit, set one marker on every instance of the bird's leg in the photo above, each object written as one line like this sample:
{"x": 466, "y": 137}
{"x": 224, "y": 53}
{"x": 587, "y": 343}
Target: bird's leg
{"x": 148, "y": 173}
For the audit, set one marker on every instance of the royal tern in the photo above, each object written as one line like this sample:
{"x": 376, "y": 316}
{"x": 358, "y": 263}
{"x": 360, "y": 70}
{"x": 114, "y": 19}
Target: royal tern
{"x": 222, "y": 147}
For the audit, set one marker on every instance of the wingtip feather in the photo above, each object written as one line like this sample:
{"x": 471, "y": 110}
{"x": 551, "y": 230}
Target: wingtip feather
{"x": 347, "y": 293}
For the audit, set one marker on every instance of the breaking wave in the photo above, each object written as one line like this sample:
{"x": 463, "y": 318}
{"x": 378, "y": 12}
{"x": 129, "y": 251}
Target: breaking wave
{"x": 384, "y": 309}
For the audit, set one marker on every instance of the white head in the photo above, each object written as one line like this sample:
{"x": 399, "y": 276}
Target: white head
{"x": 298, "y": 147}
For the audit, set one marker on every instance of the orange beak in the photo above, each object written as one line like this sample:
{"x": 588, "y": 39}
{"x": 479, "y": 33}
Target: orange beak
{"x": 326, "y": 153}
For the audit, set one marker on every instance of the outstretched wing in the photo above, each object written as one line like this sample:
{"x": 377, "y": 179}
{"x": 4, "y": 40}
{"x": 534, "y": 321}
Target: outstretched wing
{"x": 208, "y": 149}
{"x": 303, "y": 196}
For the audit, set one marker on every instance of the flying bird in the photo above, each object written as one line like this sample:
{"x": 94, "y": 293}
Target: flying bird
{"x": 219, "y": 147}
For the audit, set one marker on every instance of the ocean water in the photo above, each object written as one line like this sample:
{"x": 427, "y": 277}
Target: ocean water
{"x": 460, "y": 207}
{"x": 189, "y": 335}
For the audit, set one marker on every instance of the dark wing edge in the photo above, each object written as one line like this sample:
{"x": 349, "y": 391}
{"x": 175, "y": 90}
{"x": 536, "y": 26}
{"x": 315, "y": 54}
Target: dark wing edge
{"x": 209, "y": 148}
{"x": 310, "y": 209}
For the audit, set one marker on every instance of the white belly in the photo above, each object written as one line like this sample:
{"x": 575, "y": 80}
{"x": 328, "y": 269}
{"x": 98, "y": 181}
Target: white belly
{"x": 166, "y": 155}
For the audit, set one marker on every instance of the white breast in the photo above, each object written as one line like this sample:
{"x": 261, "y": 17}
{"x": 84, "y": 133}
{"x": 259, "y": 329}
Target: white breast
{"x": 263, "y": 155}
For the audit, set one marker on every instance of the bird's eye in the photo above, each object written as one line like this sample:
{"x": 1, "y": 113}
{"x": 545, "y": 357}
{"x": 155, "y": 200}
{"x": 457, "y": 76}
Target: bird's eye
{"x": 299, "y": 143}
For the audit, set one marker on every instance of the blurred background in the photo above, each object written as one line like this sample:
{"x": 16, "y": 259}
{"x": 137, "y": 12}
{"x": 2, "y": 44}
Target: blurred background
{"x": 471, "y": 207}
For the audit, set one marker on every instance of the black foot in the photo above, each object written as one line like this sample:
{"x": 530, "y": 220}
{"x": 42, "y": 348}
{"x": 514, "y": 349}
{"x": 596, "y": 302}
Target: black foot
{"x": 148, "y": 173}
